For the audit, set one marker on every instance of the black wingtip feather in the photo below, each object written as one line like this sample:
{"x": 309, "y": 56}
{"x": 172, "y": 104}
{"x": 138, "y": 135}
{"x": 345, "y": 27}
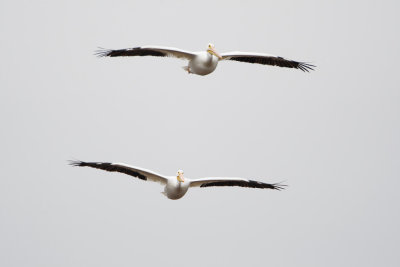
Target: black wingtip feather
{"x": 306, "y": 67}
{"x": 102, "y": 52}
{"x": 279, "y": 186}
{"x": 76, "y": 163}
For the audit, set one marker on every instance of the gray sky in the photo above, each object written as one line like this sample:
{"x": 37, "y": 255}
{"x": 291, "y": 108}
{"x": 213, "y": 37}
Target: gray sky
{"x": 332, "y": 135}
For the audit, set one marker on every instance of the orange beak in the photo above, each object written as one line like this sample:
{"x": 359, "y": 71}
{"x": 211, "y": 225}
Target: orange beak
{"x": 214, "y": 52}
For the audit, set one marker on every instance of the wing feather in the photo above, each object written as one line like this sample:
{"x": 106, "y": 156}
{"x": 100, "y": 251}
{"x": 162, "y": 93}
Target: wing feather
{"x": 266, "y": 59}
{"x": 223, "y": 181}
{"x": 156, "y": 51}
{"x": 140, "y": 173}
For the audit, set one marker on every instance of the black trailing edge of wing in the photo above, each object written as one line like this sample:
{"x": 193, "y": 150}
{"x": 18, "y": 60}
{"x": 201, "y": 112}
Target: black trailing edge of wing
{"x": 136, "y": 51}
{"x": 110, "y": 167}
{"x": 250, "y": 183}
{"x": 275, "y": 61}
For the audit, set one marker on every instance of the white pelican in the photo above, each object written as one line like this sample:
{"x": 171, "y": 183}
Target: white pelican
{"x": 205, "y": 62}
{"x": 175, "y": 186}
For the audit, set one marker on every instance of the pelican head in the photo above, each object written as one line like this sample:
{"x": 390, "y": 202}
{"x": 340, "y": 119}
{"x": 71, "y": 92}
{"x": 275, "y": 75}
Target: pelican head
{"x": 180, "y": 176}
{"x": 212, "y": 51}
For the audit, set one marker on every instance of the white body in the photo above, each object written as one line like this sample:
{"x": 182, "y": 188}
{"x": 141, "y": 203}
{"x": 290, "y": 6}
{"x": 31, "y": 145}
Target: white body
{"x": 203, "y": 63}
{"x": 175, "y": 189}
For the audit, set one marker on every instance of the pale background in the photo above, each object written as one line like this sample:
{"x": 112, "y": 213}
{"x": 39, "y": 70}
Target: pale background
{"x": 332, "y": 135}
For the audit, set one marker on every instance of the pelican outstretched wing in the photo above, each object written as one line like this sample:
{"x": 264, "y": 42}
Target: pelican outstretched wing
{"x": 140, "y": 173}
{"x": 225, "y": 181}
{"x": 148, "y": 50}
{"x": 266, "y": 59}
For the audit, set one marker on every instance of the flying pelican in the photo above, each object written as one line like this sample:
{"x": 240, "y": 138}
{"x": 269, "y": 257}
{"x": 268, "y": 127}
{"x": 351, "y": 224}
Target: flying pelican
{"x": 205, "y": 62}
{"x": 175, "y": 186}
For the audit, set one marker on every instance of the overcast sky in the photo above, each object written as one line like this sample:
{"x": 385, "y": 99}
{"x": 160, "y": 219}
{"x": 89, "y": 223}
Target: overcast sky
{"x": 332, "y": 135}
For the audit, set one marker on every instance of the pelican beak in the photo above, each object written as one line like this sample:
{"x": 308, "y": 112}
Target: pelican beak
{"x": 214, "y": 52}
{"x": 180, "y": 179}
